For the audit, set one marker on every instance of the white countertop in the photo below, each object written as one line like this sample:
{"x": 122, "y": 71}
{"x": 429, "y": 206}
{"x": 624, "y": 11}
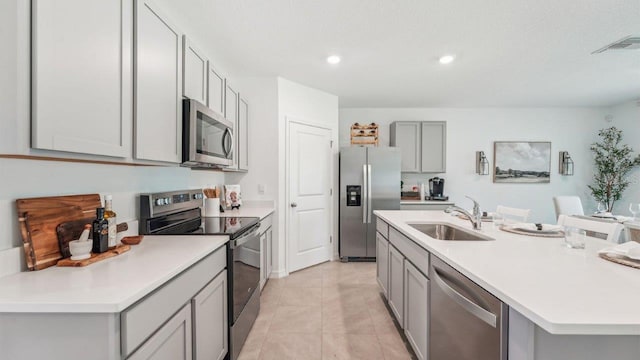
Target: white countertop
{"x": 244, "y": 211}
{"x": 425, "y": 202}
{"x": 108, "y": 286}
{"x": 562, "y": 290}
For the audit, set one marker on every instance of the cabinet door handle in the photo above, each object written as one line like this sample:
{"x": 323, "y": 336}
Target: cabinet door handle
{"x": 294, "y": 205}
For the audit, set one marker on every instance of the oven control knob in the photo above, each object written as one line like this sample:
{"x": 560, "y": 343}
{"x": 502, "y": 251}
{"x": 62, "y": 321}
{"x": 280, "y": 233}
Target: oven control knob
{"x": 197, "y": 196}
{"x": 167, "y": 201}
{"x": 159, "y": 201}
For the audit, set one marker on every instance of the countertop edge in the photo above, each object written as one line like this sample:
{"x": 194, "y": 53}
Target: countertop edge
{"x": 107, "y": 308}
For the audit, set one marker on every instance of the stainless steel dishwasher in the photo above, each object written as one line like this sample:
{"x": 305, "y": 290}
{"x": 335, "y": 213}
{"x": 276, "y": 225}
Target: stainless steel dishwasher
{"x": 467, "y": 322}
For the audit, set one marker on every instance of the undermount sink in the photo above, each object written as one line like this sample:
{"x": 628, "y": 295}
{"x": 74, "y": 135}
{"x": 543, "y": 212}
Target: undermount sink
{"x": 448, "y": 232}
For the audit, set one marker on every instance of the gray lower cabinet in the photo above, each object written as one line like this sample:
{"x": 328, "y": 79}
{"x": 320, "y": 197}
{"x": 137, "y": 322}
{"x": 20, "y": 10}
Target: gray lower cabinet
{"x": 396, "y": 284}
{"x": 416, "y": 309}
{"x": 210, "y": 321}
{"x": 266, "y": 250}
{"x": 382, "y": 262}
{"x": 150, "y": 330}
{"x": 422, "y": 145}
{"x": 171, "y": 342}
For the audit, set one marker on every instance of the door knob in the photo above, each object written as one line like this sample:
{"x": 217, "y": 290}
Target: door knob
{"x": 294, "y": 204}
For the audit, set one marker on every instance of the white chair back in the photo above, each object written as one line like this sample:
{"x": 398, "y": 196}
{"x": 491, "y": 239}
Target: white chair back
{"x": 521, "y": 215}
{"x": 568, "y": 205}
{"x": 611, "y": 229}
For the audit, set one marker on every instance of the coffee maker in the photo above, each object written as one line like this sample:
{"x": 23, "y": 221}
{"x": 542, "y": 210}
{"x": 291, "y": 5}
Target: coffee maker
{"x": 436, "y": 189}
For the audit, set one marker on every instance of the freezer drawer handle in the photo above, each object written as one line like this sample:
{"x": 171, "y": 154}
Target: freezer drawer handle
{"x": 473, "y": 308}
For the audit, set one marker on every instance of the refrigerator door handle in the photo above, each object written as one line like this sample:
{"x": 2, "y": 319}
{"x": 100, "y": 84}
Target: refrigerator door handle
{"x": 369, "y": 197}
{"x": 364, "y": 194}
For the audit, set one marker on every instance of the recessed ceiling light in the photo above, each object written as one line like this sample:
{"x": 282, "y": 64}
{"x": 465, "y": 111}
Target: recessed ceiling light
{"x": 447, "y": 59}
{"x": 333, "y": 59}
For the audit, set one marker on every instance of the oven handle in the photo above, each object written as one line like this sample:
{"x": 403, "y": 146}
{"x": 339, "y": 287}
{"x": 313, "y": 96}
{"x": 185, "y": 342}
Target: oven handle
{"x": 244, "y": 238}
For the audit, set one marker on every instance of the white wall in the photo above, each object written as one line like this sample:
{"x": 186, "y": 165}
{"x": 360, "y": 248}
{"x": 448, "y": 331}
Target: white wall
{"x": 626, "y": 117}
{"x": 29, "y": 178}
{"x": 312, "y": 106}
{"x": 470, "y": 130}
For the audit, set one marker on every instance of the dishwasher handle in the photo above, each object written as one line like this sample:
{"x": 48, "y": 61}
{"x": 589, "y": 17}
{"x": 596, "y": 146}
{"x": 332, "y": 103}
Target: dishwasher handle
{"x": 474, "y": 309}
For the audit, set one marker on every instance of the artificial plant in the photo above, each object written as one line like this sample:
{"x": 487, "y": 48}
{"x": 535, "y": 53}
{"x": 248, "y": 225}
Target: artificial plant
{"x": 613, "y": 161}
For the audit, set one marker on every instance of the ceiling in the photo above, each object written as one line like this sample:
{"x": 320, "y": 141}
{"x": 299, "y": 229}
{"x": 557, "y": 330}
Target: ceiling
{"x": 509, "y": 53}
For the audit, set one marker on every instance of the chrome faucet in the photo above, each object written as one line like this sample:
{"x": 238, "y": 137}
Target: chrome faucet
{"x": 475, "y": 218}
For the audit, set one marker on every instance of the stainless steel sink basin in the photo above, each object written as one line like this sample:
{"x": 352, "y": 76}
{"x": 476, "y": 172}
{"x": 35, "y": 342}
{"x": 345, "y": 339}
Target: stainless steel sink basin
{"x": 448, "y": 232}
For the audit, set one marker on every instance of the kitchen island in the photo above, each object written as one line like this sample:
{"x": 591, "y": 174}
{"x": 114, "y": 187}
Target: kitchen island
{"x": 123, "y": 307}
{"x": 563, "y": 303}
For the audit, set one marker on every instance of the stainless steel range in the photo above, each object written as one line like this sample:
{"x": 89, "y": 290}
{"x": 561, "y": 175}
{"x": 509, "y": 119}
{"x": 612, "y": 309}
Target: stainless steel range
{"x": 179, "y": 213}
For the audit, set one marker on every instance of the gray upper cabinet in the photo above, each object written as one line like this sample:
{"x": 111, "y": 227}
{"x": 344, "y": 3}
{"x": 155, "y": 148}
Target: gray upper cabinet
{"x": 215, "y": 98}
{"x": 158, "y": 85}
{"x": 434, "y": 142}
{"x": 406, "y": 136}
{"x": 82, "y": 76}
{"x": 195, "y": 72}
{"x": 231, "y": 114}
{"x": 423, "y": 145}
{"x": 243, "y": 134}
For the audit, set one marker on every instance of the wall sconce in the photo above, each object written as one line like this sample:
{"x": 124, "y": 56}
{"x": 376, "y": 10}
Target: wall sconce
{"x": 565, "y": 163}
{"x": 482, "y": 164}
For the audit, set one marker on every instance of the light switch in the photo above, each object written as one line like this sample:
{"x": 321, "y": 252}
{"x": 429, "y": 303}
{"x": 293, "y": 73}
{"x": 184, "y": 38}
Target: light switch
{"x": 261, "y": 189}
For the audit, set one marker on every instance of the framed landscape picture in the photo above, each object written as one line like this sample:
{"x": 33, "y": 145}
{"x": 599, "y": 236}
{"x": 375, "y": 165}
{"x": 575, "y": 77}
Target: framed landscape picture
{"x": 521, "y": 162}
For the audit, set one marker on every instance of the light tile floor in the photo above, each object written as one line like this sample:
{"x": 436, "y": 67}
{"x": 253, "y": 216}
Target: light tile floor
{"x": 330, "y": 311}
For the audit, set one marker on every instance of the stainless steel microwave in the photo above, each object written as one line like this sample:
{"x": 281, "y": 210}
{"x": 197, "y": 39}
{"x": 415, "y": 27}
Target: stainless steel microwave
{"x": 207, "y": 139}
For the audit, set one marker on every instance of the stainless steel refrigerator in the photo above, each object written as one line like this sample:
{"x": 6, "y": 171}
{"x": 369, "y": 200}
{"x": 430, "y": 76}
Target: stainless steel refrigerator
{"x": 369, "y": 180}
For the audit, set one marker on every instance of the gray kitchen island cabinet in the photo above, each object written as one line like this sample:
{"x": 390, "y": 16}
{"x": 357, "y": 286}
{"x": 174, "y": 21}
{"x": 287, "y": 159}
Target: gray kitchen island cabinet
{"x": 382, "y": 263}
{"x": 423, "y": 145}
{"x": 396, "y": 284}
{"x": 416, "y": 310}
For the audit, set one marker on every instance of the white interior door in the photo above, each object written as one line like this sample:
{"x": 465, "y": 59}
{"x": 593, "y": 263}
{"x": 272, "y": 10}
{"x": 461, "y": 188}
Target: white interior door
{"x": 309, "y": 220}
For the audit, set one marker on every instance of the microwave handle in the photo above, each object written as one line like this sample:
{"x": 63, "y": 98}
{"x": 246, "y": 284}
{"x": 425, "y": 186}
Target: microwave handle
{"x": 225, "y": 148}
{"x": 230, "y": 151}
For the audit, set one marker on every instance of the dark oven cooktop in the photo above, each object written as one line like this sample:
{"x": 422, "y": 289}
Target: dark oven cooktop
{"x": 232, "y": 226}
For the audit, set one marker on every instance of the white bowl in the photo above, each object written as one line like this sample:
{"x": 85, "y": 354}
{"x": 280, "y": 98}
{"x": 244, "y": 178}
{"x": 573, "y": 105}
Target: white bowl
{"x": 80, "y": 250}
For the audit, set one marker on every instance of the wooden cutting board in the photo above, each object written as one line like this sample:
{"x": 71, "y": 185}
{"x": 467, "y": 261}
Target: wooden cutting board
{"x": 39, "y": 219}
